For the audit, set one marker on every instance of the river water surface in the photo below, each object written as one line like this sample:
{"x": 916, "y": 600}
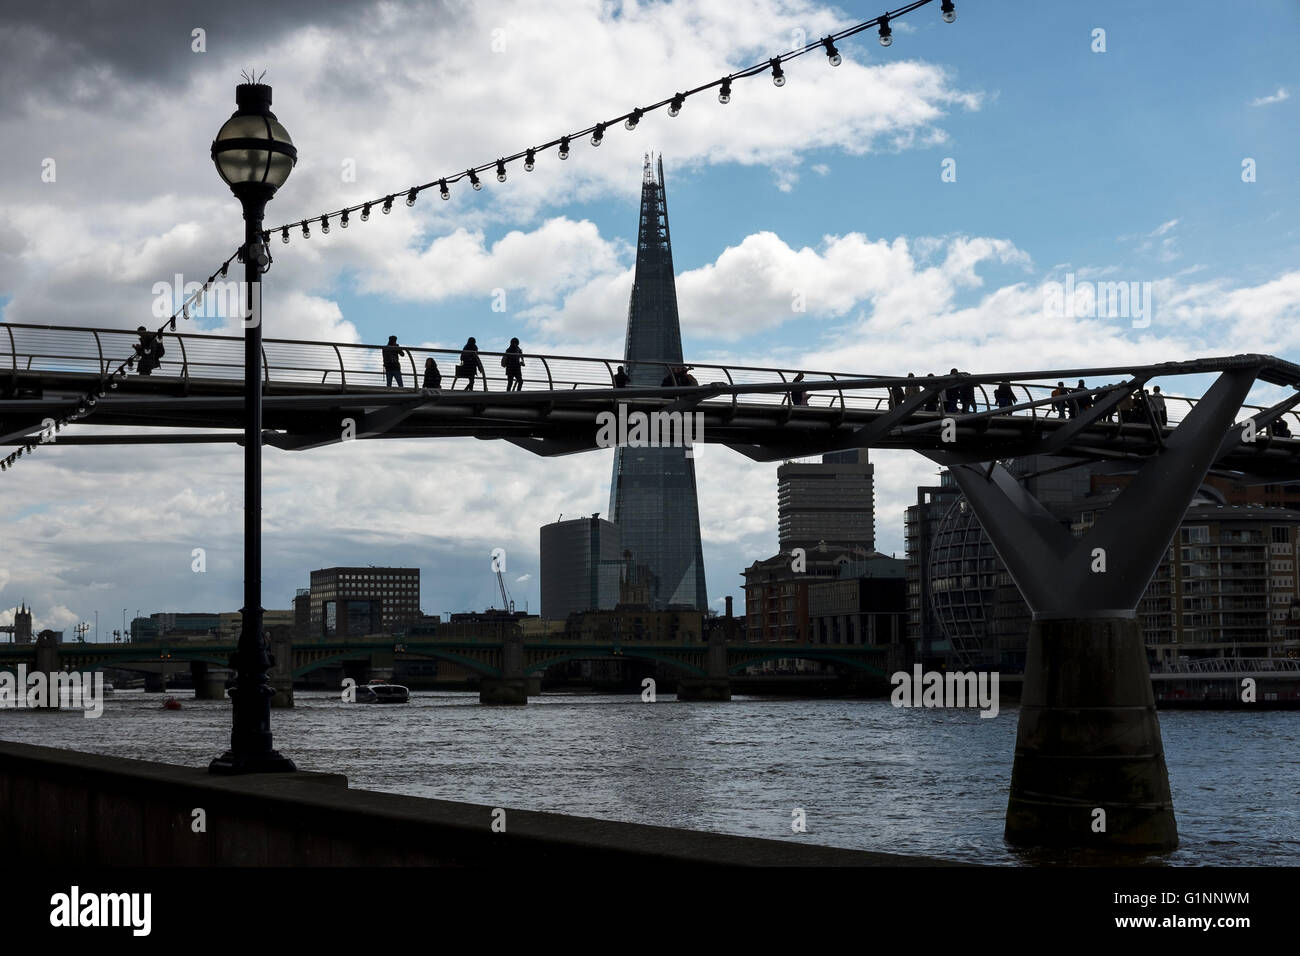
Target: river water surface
{"x": 867, "y": 776}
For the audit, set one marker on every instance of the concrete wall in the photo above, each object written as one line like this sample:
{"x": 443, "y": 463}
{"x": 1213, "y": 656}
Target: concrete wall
{"x": 61, "y": 807}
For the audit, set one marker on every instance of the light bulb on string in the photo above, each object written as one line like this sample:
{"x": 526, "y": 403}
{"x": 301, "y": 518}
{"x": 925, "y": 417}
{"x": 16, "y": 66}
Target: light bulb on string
{"x": 388, "y": 205}
{"x": 724, "y": 92}
{"x": 564, "y": 147}
{"x": 832, "y": 54}
{"x": 365, "y": 212}
{"x": 473, "y": 179}
{"x": 675, "y": 106}
{"x": 778, "y": 74}
{"x": 501, "y": 170}
{"x": 530, "y": 158}
{"x": 633, "y": 119}
{"x": 443, "y": 190}
{"x": 886, "y": 34}
{"x": 598, "y": 134}
{"x": 410, "y": 196}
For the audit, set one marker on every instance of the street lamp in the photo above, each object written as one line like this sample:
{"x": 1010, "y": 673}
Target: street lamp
{"x": 254, "y": 155}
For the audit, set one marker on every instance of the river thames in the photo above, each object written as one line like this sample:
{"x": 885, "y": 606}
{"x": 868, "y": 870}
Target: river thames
{"x": 866, "y": 775}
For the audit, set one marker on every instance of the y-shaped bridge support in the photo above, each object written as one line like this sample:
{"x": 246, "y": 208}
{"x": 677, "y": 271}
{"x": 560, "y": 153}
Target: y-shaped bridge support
{"x": 1088, "y": 738}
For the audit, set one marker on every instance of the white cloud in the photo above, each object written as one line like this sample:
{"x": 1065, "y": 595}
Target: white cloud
{"x": 1279, "y": 97}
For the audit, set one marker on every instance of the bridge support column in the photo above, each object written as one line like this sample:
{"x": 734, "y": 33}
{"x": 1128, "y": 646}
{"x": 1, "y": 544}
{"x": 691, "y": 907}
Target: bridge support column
{"x": 1089, "y": 767}
{"x": 512, "y": 686}
{"x": 47, "y": 662}
{"x": 715, "y": 686}
{"x": 281, "y": 672}
{"x": 154, "y": 683}
{"x": 209, "y": 681}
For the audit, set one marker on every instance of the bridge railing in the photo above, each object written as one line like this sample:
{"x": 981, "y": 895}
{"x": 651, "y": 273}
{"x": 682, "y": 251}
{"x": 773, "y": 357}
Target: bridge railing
{"x": 1218, "y": 665}
{"x": 354, "y": 366}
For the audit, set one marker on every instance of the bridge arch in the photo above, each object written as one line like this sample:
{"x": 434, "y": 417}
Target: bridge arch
{"x": 791, "y": 654}
{"x": 688, "y": 670}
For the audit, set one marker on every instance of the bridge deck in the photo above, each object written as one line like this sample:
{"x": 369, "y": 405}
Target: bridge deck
{"x": 312, "y": 386}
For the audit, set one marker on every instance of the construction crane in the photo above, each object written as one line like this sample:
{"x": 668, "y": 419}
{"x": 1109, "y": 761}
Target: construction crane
{"x": 506, "y": 603}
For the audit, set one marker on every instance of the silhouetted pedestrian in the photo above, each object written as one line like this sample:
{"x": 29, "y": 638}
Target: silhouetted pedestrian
{"x": 1081, "y": 401}
{"x": 1125, "y": 408}
{"x": 1280, "y": 429}
{"x": 1140, "y": 413}
{"x": 620, "y": 378}
{"x": 932, "y": 403}
{"x": 1004, "y": 396}
{"x": 1058, "y": 393}
{"x": 798, "y": 396}
{"x": 1157, "y": 402}
{"x": 967, "y": 393}
{"x": 432, "y": 377}
{"x": 896, "y": 396}
{"x": 912, "y": 389}
{"x": 149, "y": 349}
{"x": 470, "y": 363}
{"x": 951, "y": 395}
{"x": 513, "y": 363}
{"x": 393, "y": 362}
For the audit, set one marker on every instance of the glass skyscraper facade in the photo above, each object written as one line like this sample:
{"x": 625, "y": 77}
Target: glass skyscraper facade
{"x": 652, "y": 495}
{"x": 581, "y": 566}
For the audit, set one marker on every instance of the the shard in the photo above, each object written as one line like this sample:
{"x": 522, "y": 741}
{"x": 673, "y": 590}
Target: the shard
{"x": 652, "y": 496}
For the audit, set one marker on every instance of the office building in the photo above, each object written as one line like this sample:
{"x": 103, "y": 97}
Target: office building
{"x": 351, "y": 602}
{"x": 581, "y": 561}
{"x": 831, "y": 501}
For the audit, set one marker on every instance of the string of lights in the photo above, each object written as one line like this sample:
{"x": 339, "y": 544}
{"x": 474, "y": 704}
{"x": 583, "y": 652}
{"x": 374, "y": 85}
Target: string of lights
{"x": 630, "y": 121}
{"x": 85, "y": 405}
{"x": 87, "y": 402}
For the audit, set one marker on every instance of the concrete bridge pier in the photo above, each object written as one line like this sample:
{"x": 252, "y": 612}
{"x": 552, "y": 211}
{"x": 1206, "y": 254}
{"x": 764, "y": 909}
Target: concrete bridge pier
{"x": 154, "y": 683}
{"x": 512, "y": 686}
{"x": 47, "y": 662}
{"x": 716, "y": 685}
{"x": 1089, "y": 767}
{"x": 209, "y": 681}
{"x": 281, "y": 672}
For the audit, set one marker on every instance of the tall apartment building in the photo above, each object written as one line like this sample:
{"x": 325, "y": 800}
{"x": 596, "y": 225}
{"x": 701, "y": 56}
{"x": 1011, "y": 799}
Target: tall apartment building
{"x": 350, "y": 602}
{"x": 831, "y": 501}
{"x": 1226, "y": 587}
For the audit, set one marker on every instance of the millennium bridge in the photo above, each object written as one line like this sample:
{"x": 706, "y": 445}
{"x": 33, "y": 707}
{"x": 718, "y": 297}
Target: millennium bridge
{"x": 1088, "y": 735}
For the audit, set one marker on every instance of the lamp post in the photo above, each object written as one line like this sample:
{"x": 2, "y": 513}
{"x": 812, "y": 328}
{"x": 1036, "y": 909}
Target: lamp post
{"x": 254, "y": 155}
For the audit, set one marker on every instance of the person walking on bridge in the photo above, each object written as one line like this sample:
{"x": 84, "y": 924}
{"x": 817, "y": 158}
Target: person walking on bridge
{"x": 469, "y": 364}
{"x": 393, "y": 362}
{"x": 952, "y": 394}
{"x": 432, "y": 377}
{"x": 912, "y": 387}
{"x": 798, "y": 396}
{"x": 932, "y": 403}
{"x": 513, "y": 362}
{"x": 967, "y": 397}
{"x": 620, "y": 378}
{"x": 1004, "y": 395}
{"x": 149, "y": 349}
{"x": 1157, "y": 402}
{"x": 1059, "y": 393}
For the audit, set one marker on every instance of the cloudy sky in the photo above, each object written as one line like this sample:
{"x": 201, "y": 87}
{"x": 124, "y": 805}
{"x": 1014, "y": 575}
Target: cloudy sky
{"x": 920, "y": 199}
